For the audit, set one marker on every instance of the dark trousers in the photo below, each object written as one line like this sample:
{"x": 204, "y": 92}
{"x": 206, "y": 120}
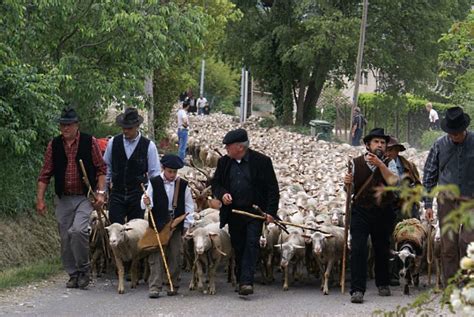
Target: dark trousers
{"x": 453, "y": 247}
{"x": 357, "y": 136}
{"x": 123, "y": 206}
{"x": 379, "y": 224}
{"x": 245, "y": 236}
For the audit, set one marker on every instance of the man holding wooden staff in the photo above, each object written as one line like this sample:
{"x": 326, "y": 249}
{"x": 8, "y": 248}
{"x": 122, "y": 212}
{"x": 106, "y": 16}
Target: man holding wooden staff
{"x": 73, "y": 209}
{"x": 371, "y": 215}
{"x": 244, "y": 178}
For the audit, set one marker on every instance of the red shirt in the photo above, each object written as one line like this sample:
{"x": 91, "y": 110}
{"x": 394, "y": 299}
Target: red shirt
{"x": 72, "y": 180}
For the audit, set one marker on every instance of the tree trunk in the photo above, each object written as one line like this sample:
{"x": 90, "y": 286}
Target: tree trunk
{"x": 301, "y": 100}
{"x": 315, "y": 87}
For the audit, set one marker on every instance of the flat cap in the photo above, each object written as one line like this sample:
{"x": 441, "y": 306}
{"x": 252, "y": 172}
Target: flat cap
{"x": 234, "y": 136}
{"x": 172, "y": 161}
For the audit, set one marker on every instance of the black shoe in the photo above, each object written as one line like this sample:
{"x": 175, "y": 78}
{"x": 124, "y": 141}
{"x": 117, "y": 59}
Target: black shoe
{"x": 83, "y": 280}
{"x": 357, "y": 297}
{"x": 384, "y": 291}
{"x": 245, "y": 289}
{"x": 72, "y": 283}
{"x": 154, "y": 294}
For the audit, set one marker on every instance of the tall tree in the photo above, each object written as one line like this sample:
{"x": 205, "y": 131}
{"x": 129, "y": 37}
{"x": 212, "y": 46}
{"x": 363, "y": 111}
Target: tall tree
{"x": 295, "y": 47}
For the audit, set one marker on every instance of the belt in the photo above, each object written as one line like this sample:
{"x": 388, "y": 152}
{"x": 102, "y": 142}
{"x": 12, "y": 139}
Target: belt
{"x": 72, "y": 194}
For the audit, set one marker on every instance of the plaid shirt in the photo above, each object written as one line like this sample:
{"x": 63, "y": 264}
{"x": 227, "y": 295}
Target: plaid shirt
{"x": 73, "y": 181}
{"x": 431, "y": 173}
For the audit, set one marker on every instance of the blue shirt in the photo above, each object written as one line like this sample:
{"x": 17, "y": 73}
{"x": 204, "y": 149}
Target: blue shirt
{"x": 154, "y": 168}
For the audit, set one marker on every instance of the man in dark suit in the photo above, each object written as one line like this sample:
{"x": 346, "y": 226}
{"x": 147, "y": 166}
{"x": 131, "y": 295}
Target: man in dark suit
{"x": 245, "y": 178}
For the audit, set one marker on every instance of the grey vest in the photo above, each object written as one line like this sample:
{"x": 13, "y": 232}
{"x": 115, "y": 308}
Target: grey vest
{"x": 456, "y": 163}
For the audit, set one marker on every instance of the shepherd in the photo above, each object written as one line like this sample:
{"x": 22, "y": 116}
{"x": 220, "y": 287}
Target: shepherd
{"x": 73, "y": 208}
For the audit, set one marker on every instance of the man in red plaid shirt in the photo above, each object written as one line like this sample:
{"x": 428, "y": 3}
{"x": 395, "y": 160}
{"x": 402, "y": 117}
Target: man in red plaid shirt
{"x": 73, "y": 209}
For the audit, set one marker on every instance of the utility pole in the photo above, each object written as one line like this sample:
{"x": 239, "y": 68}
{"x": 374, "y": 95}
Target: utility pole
{"x": 201, "y": 86}
{"x": 360, "y": 53}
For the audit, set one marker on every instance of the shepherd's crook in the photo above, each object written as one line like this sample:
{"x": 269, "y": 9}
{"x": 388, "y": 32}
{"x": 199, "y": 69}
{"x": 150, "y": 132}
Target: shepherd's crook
{"x": 159, "y": 241}
{"x": 347, "y": 220}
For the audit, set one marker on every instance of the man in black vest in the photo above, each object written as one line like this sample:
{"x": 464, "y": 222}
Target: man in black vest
{"x": 451, "y": 161}
{"x": 169, "y": 197}
{"x": 73, "y": 209}
{"x": 244, "y": 178}
{"x": 131, "y": 159}
{"x": 370, "y": 215}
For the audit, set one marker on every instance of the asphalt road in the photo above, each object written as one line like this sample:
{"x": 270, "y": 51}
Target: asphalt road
{"x": 51, "y": 298}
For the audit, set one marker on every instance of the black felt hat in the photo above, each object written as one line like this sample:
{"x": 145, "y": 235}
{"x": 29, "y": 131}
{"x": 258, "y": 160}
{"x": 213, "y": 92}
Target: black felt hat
{"x": 129, "y": 119}
{"x": 234, "y": 136}
{"x": 172, "y": 161}
{"x": 68, "y": 115}
{"x": 376, "y": 133}
{"x": 455, "y": 120}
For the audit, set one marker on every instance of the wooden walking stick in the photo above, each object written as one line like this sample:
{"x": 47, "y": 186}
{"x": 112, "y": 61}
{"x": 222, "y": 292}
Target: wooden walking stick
{"x": 347, "y": 220}
{"x": 150, "y": 216}
{"x": 429, "y": 252}
{"x": 101, "y": 214}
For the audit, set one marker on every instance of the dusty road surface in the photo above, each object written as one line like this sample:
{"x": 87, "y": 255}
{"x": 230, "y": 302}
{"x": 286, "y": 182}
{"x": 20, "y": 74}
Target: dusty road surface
{"x": 51, "y": 298}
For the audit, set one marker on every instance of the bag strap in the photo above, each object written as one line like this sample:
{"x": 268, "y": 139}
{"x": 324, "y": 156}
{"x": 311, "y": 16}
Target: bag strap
{"x": 176, "y": 192}
{"x": 366, "y": 183}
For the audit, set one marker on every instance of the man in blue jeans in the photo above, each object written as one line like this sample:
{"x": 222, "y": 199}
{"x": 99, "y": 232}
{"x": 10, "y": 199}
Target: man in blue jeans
{"x": 183, "y": 126}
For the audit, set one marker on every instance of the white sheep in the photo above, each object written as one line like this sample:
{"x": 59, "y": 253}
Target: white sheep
{"x": 123, "y": 240}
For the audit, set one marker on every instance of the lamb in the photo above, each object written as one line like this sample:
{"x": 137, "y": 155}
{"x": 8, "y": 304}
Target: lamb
{"x": 123, "y": 240}
{"x": 211, "y": 246}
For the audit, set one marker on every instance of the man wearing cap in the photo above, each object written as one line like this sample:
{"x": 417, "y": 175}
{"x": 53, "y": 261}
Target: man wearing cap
{"x": 165, "y": 206}
{"x": 371, "y": 215}
{"x": 244, "y": 178}
{"x": 73, "y": 209}
{"x": 451, "y": 161}
{"x": 407, "y": 172}
{"x": 131, "y": 158}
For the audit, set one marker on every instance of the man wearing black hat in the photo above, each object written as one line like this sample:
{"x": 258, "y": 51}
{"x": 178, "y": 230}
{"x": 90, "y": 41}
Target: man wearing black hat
{"x": 73, "y": 209}
{"x": 371, "y": 215}
{"x": 170, "y": 197}
{"x": 451, "y": 161}
{"x": 131, "y": 158}
{"x": 244, "y": 178}
{"x": 407, "y": 172}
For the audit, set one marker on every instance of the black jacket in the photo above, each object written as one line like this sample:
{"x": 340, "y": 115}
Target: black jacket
{"x": 263, "y": 179}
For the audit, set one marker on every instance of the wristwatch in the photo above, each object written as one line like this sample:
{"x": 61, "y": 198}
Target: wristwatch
{"x": 101, "y": 192}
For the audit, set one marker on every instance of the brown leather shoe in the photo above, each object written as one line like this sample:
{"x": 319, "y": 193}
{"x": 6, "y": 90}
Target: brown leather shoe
{"x": 245, "y": 289}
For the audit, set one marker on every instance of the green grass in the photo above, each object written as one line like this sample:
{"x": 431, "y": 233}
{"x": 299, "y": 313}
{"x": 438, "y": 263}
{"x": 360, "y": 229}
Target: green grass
{"x": 29, "y": 273}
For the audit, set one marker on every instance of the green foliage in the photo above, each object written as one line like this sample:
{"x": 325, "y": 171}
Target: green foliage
{"x": 428, "y": 138}
{"x": 26, "y": 274}
{"x": 463, "y": 215}
{"x": 295, "y": 47}
{"x": 402, "y": 116}
{"x": 267, "y": 122}
{"x": 457, "y": 62}
{"x": 90, "y": 54}
{"x": 222, "y": 86}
